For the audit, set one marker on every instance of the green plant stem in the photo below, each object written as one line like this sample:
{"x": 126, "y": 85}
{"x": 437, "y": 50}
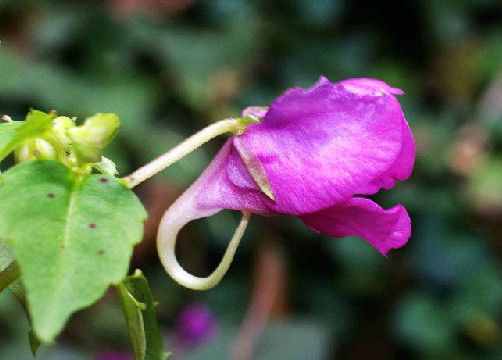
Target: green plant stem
{"x": 180, "y": 151}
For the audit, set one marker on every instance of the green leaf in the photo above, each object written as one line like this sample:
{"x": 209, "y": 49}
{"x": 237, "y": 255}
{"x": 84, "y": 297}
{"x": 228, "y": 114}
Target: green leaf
{"x": 286, "y": 340}
{"x": 139, "y": 310}
{"x": 37, "y": 122}
{"x": 72, "y": 236}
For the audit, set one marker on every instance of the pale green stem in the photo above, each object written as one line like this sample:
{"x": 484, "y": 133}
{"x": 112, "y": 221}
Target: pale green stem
{"x": 168, "y": 231}
{"x": 180, "y": 151}
{"x": 167, "y": 243}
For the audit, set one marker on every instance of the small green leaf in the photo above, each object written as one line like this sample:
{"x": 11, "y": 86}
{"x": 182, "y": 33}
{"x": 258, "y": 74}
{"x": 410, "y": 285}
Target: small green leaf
{"x": 72, "y": 236}
{"x": 139, "y": 310}
{"x": 93, "y": 136}
{"x": 14, "y": 133}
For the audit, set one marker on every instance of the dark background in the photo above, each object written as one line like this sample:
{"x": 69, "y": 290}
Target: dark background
{"x": 169, "y": 68}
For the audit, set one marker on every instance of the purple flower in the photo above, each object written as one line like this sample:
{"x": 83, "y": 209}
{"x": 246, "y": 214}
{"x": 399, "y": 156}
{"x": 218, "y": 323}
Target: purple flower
{"x": 195, "y": 325}
{"x": 315, "y": 154}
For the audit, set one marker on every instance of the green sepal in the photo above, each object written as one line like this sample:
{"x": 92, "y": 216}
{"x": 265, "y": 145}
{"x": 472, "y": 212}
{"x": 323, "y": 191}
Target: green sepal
{"x": 139, "y": 310}
{"x": 255, "y": 168}
{"x": 72, "y": 236}
{"x": 93, "y": 136}
{"x": 244, "y": 122}
{"x": 252, "y": 163}
{"x": 106, "y": 166}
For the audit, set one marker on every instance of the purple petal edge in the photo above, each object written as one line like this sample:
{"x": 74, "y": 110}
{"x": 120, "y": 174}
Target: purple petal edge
{"x": 383, "y": 229}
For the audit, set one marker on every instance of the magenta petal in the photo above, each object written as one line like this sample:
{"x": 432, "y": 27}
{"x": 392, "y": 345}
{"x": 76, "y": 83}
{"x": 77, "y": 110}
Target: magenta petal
{"x": 227, "y": 184}
{"x": 320, "y": 147}
{"x": 400, "y": 169}
{"x": 366, "y": 86}
{"x": 384, "y": 229}
{"x": 403, "y": 165}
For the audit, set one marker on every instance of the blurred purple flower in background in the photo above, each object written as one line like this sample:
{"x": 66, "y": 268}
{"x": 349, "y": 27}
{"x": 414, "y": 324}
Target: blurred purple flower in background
{"x": 195, "y": 325}
{"x": 314, "y": 154}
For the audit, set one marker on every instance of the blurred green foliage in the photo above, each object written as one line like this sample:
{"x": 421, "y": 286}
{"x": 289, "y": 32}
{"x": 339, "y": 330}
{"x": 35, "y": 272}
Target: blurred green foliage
{"x": 169, "y": 68}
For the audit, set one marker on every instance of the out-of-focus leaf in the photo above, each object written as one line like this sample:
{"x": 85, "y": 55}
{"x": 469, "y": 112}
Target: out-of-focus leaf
{"x": 130, "y": 98}
{"x": 422, "y": 323}
{"x": 231, "y": 12}
{"x": 484, "y": 187}
{"x": 295, "y": 340}
{"x": 442, "y": 257}
{"x": 490, "y": 57}
{"x": 363, "y": 267}
{"x": 211, "y": 59}
{"x": 318, "y": 13}
{"x": 480, "y": 292}
{"x": 139, "y": 309}
{"x": 72, "y": 237}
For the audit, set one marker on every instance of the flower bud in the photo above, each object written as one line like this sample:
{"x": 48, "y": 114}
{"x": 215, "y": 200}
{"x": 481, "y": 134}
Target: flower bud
{"x": 93, "y": 136}
{"x": 35, "y": 149}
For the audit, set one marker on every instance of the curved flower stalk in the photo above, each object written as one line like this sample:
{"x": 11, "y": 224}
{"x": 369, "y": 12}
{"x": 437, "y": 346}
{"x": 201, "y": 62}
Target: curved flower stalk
{"x": 315, "y": 154}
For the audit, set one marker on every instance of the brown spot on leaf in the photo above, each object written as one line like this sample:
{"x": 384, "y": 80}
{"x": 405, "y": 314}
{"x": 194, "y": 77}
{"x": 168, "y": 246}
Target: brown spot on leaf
{"x": 50, "y": 195}
{"x": 101, "y": 252}
{"x": 103, "y": 180}
{"x": 92, "y": 225}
